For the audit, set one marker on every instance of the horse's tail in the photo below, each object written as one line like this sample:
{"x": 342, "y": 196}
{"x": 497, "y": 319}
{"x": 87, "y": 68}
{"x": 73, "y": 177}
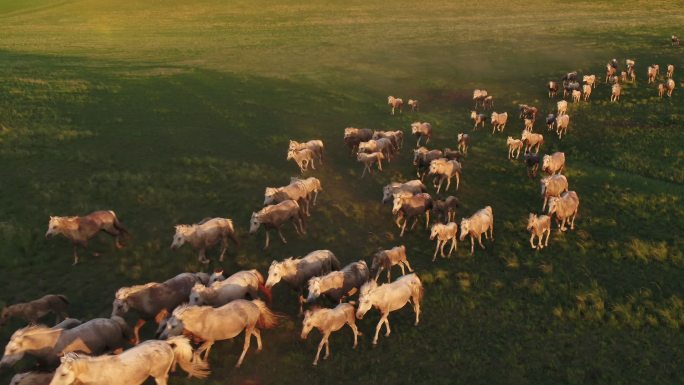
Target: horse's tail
{"x": 230, "y": 231}
{"x": 183, "y": 354}
{"x": 334, "y": 263}
{"x": 63, "y": 298}
{"x": 267, "y": 318}
{"x": 126, "y": 331}
{"x": 118, "y": 225}
{"x": 262, "y": 288}
{"x": 417, "y": 289}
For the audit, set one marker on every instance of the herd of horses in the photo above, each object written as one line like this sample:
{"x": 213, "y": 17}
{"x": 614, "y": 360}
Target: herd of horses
{"x": 201, "y": 309}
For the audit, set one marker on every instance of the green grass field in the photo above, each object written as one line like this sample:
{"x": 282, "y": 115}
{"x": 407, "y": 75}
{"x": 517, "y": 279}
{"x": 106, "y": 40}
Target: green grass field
{"x": 169, "y": 111}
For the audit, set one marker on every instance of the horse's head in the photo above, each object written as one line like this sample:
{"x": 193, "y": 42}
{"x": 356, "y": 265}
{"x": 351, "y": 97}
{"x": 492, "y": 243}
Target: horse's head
{"x": 290, "y": 154}
{"x": 254, "y": 223}
{"x": 435, "y": 166}
{"x": 465, "y": 228}
{"x": 180, "y": 236}
{"x": 397, "y": 203}
{"x": 531, "y": 220}
{"x": 54, "y": 226}
{"x": 119, "y": 307}
{"x": 21, "y": 341}
{"x": 314, "y": 289}
{"x": 390, "y": 99}
{"x": 174, "y": 327}
{"x": 269, "y": 194}
{"x": 216, "y": 276}
{"x": 4, "y": 316}
{"x": 434, "y": 231}
{"x": 307, "y": 323}
{"x": 546, "y": 162}
{"x": 365, "y": 301}
{"x": 292, "y": 146}
{"x": 275, "y": 273}
{"x": 544, "y": 184}
{"x": 553, "y": 205}
{"x": 66, "y": 372}
{"x": 195, "y": 298}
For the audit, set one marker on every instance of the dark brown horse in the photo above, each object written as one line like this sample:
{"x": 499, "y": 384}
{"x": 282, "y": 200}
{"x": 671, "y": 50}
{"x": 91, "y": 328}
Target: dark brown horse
{"x": 412, "y": 207}
{"x": 153, "y": 300}
{"x": 272, "y": 217}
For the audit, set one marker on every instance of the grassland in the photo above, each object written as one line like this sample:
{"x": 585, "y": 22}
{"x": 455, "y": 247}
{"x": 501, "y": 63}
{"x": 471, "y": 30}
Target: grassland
{"x": 169, "y": 112}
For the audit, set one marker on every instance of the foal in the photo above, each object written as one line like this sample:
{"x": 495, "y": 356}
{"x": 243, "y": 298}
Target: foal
{"x": 328, "y": 321}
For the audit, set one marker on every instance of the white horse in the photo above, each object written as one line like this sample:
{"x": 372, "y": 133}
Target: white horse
{"x": 537, "y": 226}
{"x": 132, "y": 367}
{"x": 237, "y": 286}
{"x": 223, "y": 323}
{"x": 328, "y": 321}
{"x": 390, "y": 297}
{"x": 477, "y": 224}
{"x": 204, "y": 234}
{"x": 444, "y": 233}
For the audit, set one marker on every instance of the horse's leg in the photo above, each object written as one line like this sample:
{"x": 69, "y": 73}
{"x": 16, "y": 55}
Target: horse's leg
{"x": 161, "y": 380}
{"x": 441, "y": 249}
{"x": 354, "y": 329}
{"x": 327, "y": 347}
{"x": 248, "y": 337}
{"x": 453, "y": 245}
{"x": 427, "y": 219}
{"x": 267, "y": 240}
{"x": 318, "y": 352}
{"x": 296, "y": 228}
{"x": 302, "y": 300}
{"x": 378, "y": 273}
{"x": 548, "y": 234}
{"x": 387, "y": 327}
{"x": 377, "y": 331}
{"x": 136, "y": 331}
{"x": 479, "y": 239}
{"x": 224, "y": 247}
{"x": 472, "y": 245}
{"x": 415, "y": 222}
{"x": 403, "y": 227}
{"x": 75, "y": 254}
{"x": 205, "y": 348}
{"x": 389, "y": 274}
{"x": 401, "y": 266}
{"x": 532, "y": 241}
{"x": 448, "y": 183}
{"x": 282, "y": 238}
{"x": 458, "y": 181}
{"x": 572, "y": 224}
{"x": 416, "y": 308}
{"x": 202, "y": 256}
{"x": 364, "y": 170}
{"x": 406, "y": 262}
{"x": 257, "y": 333}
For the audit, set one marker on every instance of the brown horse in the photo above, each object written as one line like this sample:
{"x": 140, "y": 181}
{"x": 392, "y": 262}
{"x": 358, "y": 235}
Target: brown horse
{"x": 33, "y": 310}
{"x": 154, "y": 300}
{"x": 79, "y": 230}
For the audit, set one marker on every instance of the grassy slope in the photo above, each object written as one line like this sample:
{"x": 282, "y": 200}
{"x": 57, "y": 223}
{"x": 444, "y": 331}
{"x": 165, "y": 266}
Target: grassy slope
{"x": 170, "y": 112}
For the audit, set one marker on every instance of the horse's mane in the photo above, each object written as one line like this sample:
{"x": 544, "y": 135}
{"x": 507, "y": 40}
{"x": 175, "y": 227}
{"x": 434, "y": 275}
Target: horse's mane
{"x": 65, "y": 218}
{"x": 367, "y": 287}
{"x": 125, "y": 292}
{"x": 32, "y": 329}
{"x": 182, "y": 309}
{"x": 199, "y": 287}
